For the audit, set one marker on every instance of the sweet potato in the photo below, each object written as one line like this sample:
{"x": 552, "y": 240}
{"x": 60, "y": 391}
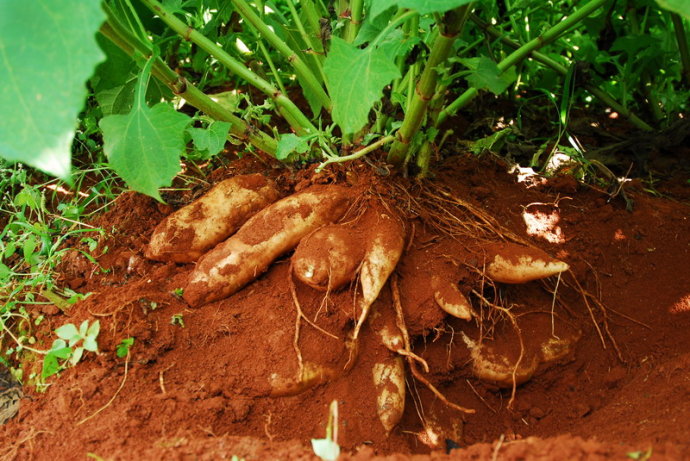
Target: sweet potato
{"x": 497, "y": 369}
{"x": 194, "y": 229}
{"x": 511, "y": 263}
{"x": 389, "y": 382}
{"x": 328, "y": 258}
{"x": 554, "y": 349}
{"x": 383, "y": 323}
{"x": 270, "y": 233}
{"x": 311, "y": 375}
{"x": 387, "y": 241}
{"x": 450, "y": 298}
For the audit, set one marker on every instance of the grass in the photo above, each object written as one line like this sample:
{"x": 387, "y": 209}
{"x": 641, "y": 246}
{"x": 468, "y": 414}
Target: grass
{"x": 40, "y": 220}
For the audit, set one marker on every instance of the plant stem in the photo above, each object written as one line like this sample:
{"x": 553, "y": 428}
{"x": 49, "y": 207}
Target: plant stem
{"x": 315, "y": 46}
{"x": 424, "y": 91}
{"x": 238, "y": 127}
{"x": 303, "y": 71}
{"x": 308, "y": 38}
{"x": 271, "y": 65}
{"x": 682, "y": 40}
{"x": 556, "y": 66}
{"x": 360, "y": 153}
{"x": 295, "y": 117}
{"x": 352, "y": 27}
{"x": 521, "y": 53}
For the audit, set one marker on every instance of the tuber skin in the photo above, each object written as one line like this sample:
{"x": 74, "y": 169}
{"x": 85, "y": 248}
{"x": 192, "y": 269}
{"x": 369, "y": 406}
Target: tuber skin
{"x": 270, "y": 233}
{"x": 192, "y": 230}
{"x": 328, "y": 258}
{"x": 387, "y": 243}
{"x": 512, "y": 263}
{"x": 450, "y": 299}
{"x": 389, "y": 382}
{"x": 310, "y": 376}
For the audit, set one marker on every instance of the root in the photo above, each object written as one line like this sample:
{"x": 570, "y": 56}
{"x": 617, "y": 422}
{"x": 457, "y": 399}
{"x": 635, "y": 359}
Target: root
{"x": 400, "y": 320}
{"x": 112, "y": 399}
{"x": 10, "y": 452}
{"x": 298, "y": 322}
{"x": 513, "y": 321}
{"x": 585, "y": 297}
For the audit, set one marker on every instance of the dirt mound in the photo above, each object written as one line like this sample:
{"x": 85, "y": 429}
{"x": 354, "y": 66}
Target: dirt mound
{"x": 197, "y": 381}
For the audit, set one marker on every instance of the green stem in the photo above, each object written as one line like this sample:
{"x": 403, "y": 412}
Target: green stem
{"x": 352, "y": 26}
{"x": 303, "y": 71}
{"x": 556, "y": 66}
{"x": 360, "y": 153}
{"x": 646, "y": 79}
{"x": 238, "y": 127}
{"x": 521, "y": 53}
{"x": 443, "y": 44}
{"x": 271, "y": 65}
{"x": 682, "y": 40}
{"x": 308, "y": 39}
{"x": 297, "y": 119}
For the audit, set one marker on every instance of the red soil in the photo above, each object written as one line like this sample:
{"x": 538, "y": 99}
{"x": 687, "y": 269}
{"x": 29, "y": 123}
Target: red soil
{"x": 202, "y": 390}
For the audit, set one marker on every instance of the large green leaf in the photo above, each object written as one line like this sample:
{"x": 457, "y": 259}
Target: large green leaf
{"x": 485, "y": 75}
{"x": 47, "y": 52}
{"x": 355, "y": 80}
{"x": 144, "y": 146}
{"x": 682, "y": 7}
{"x": 422, "y": 6}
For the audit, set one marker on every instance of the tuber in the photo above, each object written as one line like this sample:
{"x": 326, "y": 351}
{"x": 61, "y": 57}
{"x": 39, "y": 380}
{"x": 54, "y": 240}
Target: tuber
{"x": 270, "y": 233}
{"x": 192, "y": 230}
{"x": 389, "y": 382}
{"x": 512, "y": 263}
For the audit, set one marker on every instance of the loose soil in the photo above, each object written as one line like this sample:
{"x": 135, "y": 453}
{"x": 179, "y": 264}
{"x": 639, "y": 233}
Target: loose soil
{"x": 200, "y": 388}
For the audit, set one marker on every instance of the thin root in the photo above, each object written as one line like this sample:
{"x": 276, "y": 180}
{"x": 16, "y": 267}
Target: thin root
{"x": 400, "y": 320}
{"x": 298, "y": 322}
{"x": 513, "y": 321}
{"x": 112, "y": 399}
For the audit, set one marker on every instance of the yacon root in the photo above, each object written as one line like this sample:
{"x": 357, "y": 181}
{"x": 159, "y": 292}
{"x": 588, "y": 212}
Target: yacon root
{"x": 194, "y": 229}
{"x": 270, "y": 233}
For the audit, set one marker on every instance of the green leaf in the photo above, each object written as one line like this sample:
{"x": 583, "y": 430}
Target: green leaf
{"x": 48, "y": 51}
{"x": 124, "y": 346}
{"x": 94, "y": 329}
{"x": 373, "y": 24}
{"x": 211, "y": 140}
{"x": 682, "y": 7}
{"x": 290, "y": 143}
{"x": 422, "y": 6}
{"x": 50, "y": 362}
{"x": 355, "y": 80}
{"x": 144, "y": 146}
{"x": 485, "y": 75}
{"x": 115, "y": 70}
{"x": 76, "y": 356}
{"x": 381, "y": 6}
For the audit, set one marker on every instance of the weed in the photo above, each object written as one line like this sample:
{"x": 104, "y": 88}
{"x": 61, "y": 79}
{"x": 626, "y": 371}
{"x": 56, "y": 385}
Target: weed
{"x": 177, "y": 319}
{"x": 124, "y": 347}
{"x": 70, "y": 346}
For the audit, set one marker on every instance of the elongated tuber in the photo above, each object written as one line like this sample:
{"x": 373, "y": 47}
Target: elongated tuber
{"x": 194, "y": 229}
{"x": 389, "y": 382}
{"x": 511, "y": 263}
{"x": 269, "y": 234}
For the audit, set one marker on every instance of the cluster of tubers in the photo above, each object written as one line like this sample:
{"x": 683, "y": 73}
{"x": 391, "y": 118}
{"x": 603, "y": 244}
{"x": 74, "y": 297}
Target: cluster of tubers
{"x": 236, "y": 230}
